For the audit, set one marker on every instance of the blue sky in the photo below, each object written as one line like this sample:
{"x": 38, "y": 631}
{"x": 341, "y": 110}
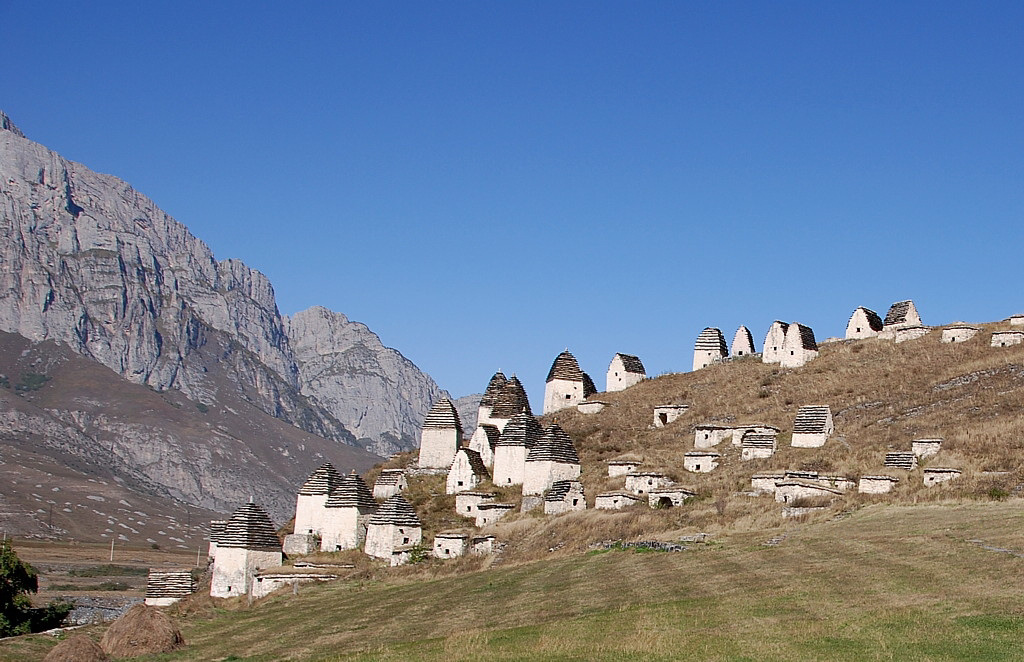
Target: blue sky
{"x": 487, "y": 183}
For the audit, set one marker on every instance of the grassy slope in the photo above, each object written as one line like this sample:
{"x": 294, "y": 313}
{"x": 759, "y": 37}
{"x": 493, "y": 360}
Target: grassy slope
{"x": 893, "y": 581}
{"x": 888, "y": 582}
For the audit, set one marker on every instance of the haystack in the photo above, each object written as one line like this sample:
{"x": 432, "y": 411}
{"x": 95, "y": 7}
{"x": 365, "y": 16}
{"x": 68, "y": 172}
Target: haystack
{"x": 142, "y": 630}
{"x": 76, "y": 648}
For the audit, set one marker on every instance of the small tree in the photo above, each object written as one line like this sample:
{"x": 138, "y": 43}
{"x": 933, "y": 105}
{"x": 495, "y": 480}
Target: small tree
{"x": 17, "y": 580}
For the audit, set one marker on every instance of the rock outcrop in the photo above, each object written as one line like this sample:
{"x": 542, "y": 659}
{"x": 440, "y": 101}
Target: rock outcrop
{"x": 90, "y": 263}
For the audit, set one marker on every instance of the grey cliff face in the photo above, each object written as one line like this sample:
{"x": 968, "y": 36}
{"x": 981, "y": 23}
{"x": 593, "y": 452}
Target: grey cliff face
{"x": 88, "y": 262}
{"x": 343, "y": 367}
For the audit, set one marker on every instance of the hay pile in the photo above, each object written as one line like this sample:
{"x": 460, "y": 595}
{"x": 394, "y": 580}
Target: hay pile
{"x": 142, "y": 630}
{"x": 76, "y": 648}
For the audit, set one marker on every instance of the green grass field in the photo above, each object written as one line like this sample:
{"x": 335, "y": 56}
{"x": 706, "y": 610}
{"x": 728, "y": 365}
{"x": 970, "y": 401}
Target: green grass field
{"x": 885, "y": 583}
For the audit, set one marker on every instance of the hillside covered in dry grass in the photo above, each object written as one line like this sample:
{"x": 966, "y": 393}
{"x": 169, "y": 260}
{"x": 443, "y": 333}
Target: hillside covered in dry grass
{"x": 883, "y": 395}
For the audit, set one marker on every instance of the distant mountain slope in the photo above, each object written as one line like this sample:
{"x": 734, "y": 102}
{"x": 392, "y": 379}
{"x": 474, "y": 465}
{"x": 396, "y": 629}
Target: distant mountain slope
{"x": 344, "y": 368}
{"x": 88, "y": 262}
{"x": 78, "y": 420}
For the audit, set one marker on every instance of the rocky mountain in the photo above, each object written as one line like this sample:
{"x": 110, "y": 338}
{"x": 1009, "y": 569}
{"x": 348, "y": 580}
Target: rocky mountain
{"x": 344, "y": 368}
{"x": 93, "y": 265}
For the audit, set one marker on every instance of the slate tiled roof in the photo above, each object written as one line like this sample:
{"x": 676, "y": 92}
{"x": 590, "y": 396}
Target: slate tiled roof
{"x": 565, "y": 367}
{"x": 322, "y": 481}
{"x": 396, "y": 511}
{"x": 807, "y": 340}
{"x": 476, "y": 464}
{"x": 898, "y": 313}
{"x": 811, "y": 419}
{"x": 874, "y": 321}
{"x": 493, "y": 387}
{"x": 217, "y": 527}
{"x": 555, "y": 446}
{"x": 901, "y": 460}
{"x": 560, "y": 489}
{"x": 390, "y": 476}
{"x": 521, "y": 430}
{"x": 443, "y": 415}
{"x": 510, "y": 400}
{"x": 163, "y": 583}
{"x": 755, "y": 440}
{"x": 250, "y": 528}
{"x": 631, "y": 364}
{"x": 493, "y": 434}
{"x": 351, "y": 492}
{"x": 588, "y": 386}
{"x": 712, "y": 340}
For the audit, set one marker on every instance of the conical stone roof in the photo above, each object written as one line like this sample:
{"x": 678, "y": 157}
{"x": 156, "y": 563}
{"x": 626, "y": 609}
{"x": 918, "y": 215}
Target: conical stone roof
{"x": 565, "y": 367}
{"x": 443, "y": 415}
{"x": 555, "y": 446}
{"x": 711, "y": 339}
{"x": 321, "y": 481}
{"x": 510, "y": 400}
{"x": 631, "y": 363}
{"x": 493, "y": 388}
{"x": 250, "y": 528}
{"x": 396, "y": 511}
{"x": 521, "y": 430}
{"x": 351, "y": 492}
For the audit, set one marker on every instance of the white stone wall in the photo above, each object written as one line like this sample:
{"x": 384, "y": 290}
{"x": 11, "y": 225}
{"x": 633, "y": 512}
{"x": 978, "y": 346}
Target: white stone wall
{"x": 614, "y": 501}
{"x": 574, "y": 500}
{"x": 382, "y": 539}
{"x": 485, "y": 516}
{"x": 480, "y": 443}
{"x": 875, "y": 485}
{"x": 667, "y": 414}
{"x": 1007, "y": 338}
{"x": 618, "y": 379}
{"x": 590, "y": 407}
{"x": 793, "y": 353}
{"x": 643, "y": 483}
{"x": 667, "y": 498}
{"x": 958, "y": 334}
{"x": 539, "y": 476}
{"x": 342, "y": 529}
{"x": 756, "y": 453}
{"x": 509, "y": 465}
{"x": 936, "y": 476}
{"x": 742, "y": 343}
{"x": 384, "y": 492}
{"x": 266, "y": 584}
{"x": 450, "y": 547}
{"x": 710, "y": 437}
{"x": 859, "y": 327}
{"x": 234, "y": 568}
{"x": 910, "y": 333}
{"x": 300, "y": 544}
{"x": 438, "y": 447}
{"x": 162, "y": 602}
{"x": 467, "y": 504}
{"x": 787, "y": 493}
{"x": 460, "y": 475}
{"x": 773, "y": 344}
{"x": 702, "y": 358}
{"x": 925, "y": 447}
{"x": 621, "y": 469}
{"x": 499, "y": 423}
{"x": 309, "y": 513}
{"x": 765, "y": 483}
{"x": 805, "y": 440}
{"x": 1017, "y": 320}
{"x": 481, "y": 546}
{"x": 561, "y": 393}
{"x": 700, "y": 463}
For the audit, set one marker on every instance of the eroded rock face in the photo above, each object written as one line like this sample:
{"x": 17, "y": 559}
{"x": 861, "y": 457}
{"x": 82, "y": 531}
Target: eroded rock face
{"x": 87, "y": 261}
{"x": 343, "y": 367}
